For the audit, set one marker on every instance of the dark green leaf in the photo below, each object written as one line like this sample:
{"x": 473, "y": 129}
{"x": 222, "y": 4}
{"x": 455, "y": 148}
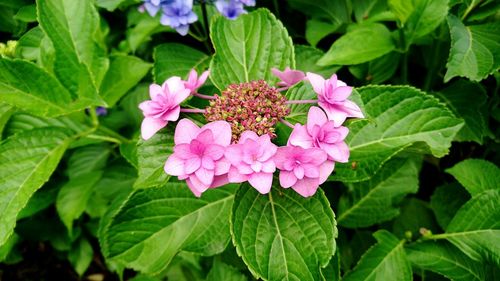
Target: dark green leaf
{"x": 80, "y": 256}
{"x": 445, "y": 202}
{"x": 174, "y": 59}
{"x": 306, "y": 57}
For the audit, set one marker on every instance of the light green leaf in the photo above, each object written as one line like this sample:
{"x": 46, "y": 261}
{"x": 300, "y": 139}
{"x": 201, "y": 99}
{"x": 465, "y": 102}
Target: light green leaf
{"x": 401, "y": 116}
{"x": 476, "y": 175}
{"x": 317, "y": 30}
{"x": 130, "y": 103}
{"x": 80, "y": 64}
{"x": 112, "y": 5}
{"x": 28, "y": 46}
{"x": 364, "y": 43}
{"x": 123, "y": 74}
{"x": 373, "y": 201}
{"x": 426, "y": 16}
{"x": 471, "y": 109}
{"x": 40, "y": 94}
{"x": 151, "y": 157}
{"x": 80, "y": 256}
{"x": 306, "y": 57}
{"x": 402, "y": 9}
{"x": 443, "y": 258}
{"x": 475, "y": 229}
{"x": 5, "y": 113}
{"x": 153, "y": 225}
{"x": 475, "y": 50}
{"x": 174, "y": 59}
{"x": 372, "y": 11}
{"x": 42, "y": 199}
{"x": 8, "y": 247}
{"x": 221, "y": 271}
{"x": 387, "y": 259}
{"x": 26, "y": 13}
{"x": 445, "y": 202}
{"x": 73, "y": 197}
{"x": 281, "y": 235}
{"x": 247, "y": 48}
{"x": 26, "y": 162}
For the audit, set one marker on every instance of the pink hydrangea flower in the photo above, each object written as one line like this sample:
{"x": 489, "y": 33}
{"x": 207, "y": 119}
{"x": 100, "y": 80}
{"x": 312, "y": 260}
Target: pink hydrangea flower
{"x": 252, "y": 160}
{"x": 163, "y": 106}
{"x": 332, "y": 97}
{"x": 198, "y": 155}
{"x": 321, "y": 133}
{"x": 193, "y": 82}
{"x": 301, "y": 168}
{"x": 288, "y": 76}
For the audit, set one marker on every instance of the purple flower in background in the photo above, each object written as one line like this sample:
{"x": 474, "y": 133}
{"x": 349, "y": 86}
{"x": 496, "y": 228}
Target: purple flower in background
{"x": 178, "y": 14}
{"x": 101, "y": 111}
{"x": 153, "y": 6}
{"x": 230, "y": 9}
{"x": 247, "y": 2}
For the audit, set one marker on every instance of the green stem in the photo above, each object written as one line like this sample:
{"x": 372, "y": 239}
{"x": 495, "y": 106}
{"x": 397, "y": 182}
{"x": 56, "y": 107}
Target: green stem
{"x": 431, "y": 72}
{"x": 404, "y": 61}
{"x": 93, "y": 116}
{"x": 207, "y": 26}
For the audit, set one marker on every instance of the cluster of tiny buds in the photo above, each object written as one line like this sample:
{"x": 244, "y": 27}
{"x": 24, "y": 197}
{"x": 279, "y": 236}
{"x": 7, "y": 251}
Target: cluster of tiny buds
{"x": 252, "y": 106}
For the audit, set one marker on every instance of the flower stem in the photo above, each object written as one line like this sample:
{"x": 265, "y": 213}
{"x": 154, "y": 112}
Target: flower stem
{"x": 286, "y": 123}
{"x": 202, "y": 96}
{"x": 283, "y": 89}
{"x": 207, "y": 26}
{"x": 192, "y": 110}
{"x": 301, "y": 101}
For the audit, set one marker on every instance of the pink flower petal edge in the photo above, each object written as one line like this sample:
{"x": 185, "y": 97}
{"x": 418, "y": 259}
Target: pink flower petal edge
{"x": 193, "y": 82}
{"x": 288, "y": 76}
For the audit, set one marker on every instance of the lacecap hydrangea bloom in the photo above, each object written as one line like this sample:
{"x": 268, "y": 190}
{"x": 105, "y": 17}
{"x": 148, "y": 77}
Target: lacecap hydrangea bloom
{"x": 236, "y": 145}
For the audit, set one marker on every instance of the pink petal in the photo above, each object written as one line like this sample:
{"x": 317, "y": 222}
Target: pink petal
{"x": 306, "y": 187}
{"x": 261, "y": 181}
{"x": 174, "y": 165}
{"x": 300, "y": 137}
{"x": 196, "y": 185}
{"x": 353, "y": 109}
{"x": 269, "y": 166}
{"x": 337, "y": 116}
{"x": 311, "y": 171}
{"x": 193, "y": 188}
{"x": 339, "y": 152}
{"x": 299, "y": 172}
{"x": 342, "y": 93}
{"x": 219, "y": 181}
{"x": 283, "y": 155}
{"x": 174, "y": 84}
{"x": 317, "y": 82}
{"x": 203, "y": 78}
{"x": 150, "y": 126}
{"x": 256, "y": 166}
{"x": 233, "y": 154}
{"x": 173, "y": 114}
{"x": 214, "y": 151}
{"x": 191, "y": 165}
{"x": 185, "y": 131}
{"x": 287, "y": 179}
{"x": 315, "y": 116}
{"x": 313, "y": 156}
{"x": 235, "y": 176}
{"x": 205, "y": 176}
{"x": 222, "y": 166}
{"x": 325, "y": 170}
{"x": 221, "y": 131}
{"x": 180, "y": 96}
{"x": 183, "y": 151}
{"x": 155, "y": 90}
{"x": 207, "y": 163}
{"x": 248, "y": 135}
{"x": 145, "y": 106}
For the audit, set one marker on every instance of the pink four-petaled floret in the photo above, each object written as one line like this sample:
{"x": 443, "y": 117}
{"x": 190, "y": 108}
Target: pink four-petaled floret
{"x": 193, "y": 82}
{"x": 288, "y": 76}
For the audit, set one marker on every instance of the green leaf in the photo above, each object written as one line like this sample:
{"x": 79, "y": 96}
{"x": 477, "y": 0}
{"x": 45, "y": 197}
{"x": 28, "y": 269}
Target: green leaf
{"x": 151, "y": 157}
{"x": 372, "y": 11}
{"x": 42, "y": 199}
{"x": 80, "y": 256}
{"x": 281, "y": 235}
{"x": 221, "y": 271}
{"x": 475, "y": 50}
{"x": 378, "y": 70}
{"x": 476, "y": 175}
{"x": 40, "y": 94}
{"x": 387, "y": 259}
{"x": 364, "y": 43}
{"x": 26, "y": 162}
{"x": 472, "y": 110}
{"x": 141, "y": 26}
{"x": 445, "y": 202}
{"x": 8, "y": 247}
{"x": 5, "y": 113}
{"x": 153, "y": 225}
{"x": 87, "y": 159}
{"x": 130, "y": 103}
{"x": 247, "y": 48}
{"x": 112, "y": 5}
{"x": 123, "y": 74}
{"x": 374, "y": 201}
{"x": 338, "y": 12}
{"x": 28, "y": 46}
{"x": 426, "y": 16}
{"x": 26, "y": 13}
{"x": 402, "y": 9}
{"x": 174, "y": 59}
{"x": 443, "y": 258}
{"x": 306, "y": 57}
{"x": 80, "y": 63}
{"x": 416, "y": 218}
{"x": 73, "y": 197}
{"x": 475, "y": 229}
{"x": 317, "y": 30}
{"x": 401, "y": 116}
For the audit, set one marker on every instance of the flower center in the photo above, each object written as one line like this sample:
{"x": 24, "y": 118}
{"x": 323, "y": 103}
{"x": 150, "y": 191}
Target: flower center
{"x": 253, "y": 106}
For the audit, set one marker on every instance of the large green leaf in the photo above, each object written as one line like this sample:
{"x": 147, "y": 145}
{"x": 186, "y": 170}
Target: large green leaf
{"x": 306, "y": 57}
{"x": 384, "y": 261}
{"x": 173, "y": 59}
{"x": 87, "y": 159}
{"x": 247, "y": 48}
{"x": 123, "y": 74}
{"x": 476, "y": 175}
{"x": 475, "y": 229}
{"x": 426, "y": 15}
{"x": 26, "y": 162}
{"x": 5, "y": 114}
{"x": 401, "y": 116}
{"x": 154, "y": 224}
{"x": 472, "y": 108}
{"x": 475, "y": 50}
{"x": 281, "y": 235}
{"x": 337, "y": 12}
{"x": 445, "y": 202}
{"x": 364, "y": 43}
{"x": 26, "y": 86}
{"x": 373, "y": 201}
{"x": 80, "y": 63}
{"x": 151, "y": 157}
{"x": 446, "y": 259}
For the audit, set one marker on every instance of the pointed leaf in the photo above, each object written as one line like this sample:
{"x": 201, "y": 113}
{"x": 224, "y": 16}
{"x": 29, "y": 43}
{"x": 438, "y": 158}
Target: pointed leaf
{"x": 281, "y": 235}
{"x": 247, "y": 48}
{"x": 426, "y": 15}
{"x": 476, "y": 175}
{"x": 445, "y": 202}
{"x": 172, "y": 59}
{"x": 26, "y": 162}
{"x": 155, "y": 224}
{"x": 373, "y": 201}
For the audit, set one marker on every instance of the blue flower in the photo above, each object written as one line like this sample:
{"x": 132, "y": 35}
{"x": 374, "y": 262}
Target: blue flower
{"x": 179, "y": 14}
{"x": 153, "y": 6}
{"x": 231, "y": 9}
